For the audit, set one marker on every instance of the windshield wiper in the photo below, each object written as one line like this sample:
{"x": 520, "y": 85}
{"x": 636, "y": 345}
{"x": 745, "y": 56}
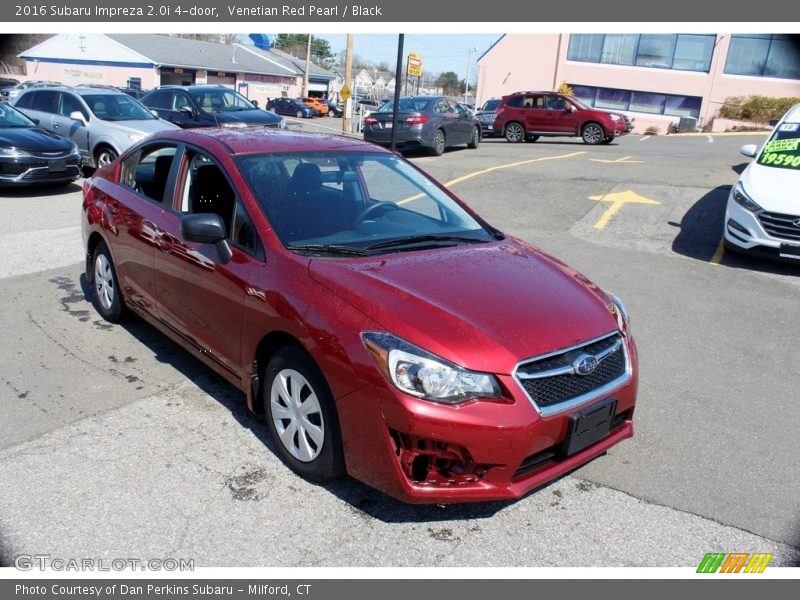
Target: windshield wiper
{"x": 328, "y": 249}
{"x": 415, "y": 240}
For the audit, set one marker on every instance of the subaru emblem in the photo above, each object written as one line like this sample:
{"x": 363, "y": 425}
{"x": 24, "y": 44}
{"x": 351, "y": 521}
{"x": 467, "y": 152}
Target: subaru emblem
{"x": 585, "y": 364}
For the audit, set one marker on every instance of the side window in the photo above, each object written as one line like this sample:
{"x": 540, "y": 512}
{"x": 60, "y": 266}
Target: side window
{"x": 146, "y": 172}
{"x": 179, "y": 100}
{"x": 515, "y": 102}
{"x": 45, "y": 101}
{"x": 68, "y": 104}
{"x": 244, "y": 232}
{"x": 160, "y": 100}
{"x": 556, "y": 103}
{"x": 533, "y": 102}
{"x": 25, "y": 100}
{"x": 206, "y": 190}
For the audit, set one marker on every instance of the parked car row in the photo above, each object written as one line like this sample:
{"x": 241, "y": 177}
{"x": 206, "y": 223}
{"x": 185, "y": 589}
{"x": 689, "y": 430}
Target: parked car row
{"x": 101, "y": 122}
{"x": 304, "y": 107}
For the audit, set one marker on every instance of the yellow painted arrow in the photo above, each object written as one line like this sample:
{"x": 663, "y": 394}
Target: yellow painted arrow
{"x": 618, "y": 200}
{"x": 624, "y": 159}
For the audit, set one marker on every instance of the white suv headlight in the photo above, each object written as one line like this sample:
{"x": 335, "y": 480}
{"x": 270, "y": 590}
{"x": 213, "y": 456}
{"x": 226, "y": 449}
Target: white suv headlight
{"x": 742, "y": 199}
{"x": 424, "y": 375}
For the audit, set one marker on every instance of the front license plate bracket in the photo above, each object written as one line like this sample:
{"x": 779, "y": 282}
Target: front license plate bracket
{"x": 589, "y": 425}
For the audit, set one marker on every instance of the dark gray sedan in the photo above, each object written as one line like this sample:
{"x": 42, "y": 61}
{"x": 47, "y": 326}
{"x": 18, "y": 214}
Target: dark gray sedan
{"x": 431, "y": 122}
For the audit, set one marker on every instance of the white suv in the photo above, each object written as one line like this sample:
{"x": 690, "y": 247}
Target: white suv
{"x": 763, "y": 212}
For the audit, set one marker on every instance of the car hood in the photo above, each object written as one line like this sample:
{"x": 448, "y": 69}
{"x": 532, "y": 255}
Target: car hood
{"x": 485, "y": 307}
{"x": 248, "y": 117}
{"x": 33, "y": 139}
{"x": 773, "y": 188}
{"x": 143, "y": 126}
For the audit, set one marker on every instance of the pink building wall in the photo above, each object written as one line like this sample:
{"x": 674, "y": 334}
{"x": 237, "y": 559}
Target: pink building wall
{"x": 76, "y": 74}
{"x": 538, "y": 62}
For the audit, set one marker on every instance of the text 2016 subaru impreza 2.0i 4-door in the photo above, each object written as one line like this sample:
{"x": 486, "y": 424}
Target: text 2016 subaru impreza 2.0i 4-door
{"x": 384, "y": 328}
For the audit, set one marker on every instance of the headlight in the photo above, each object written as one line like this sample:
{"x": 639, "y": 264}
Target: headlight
{"x": 621, "y": 313}
{"x": 615, "y": 117}
{"x": 11, "y": 152}
{"x": 422, "y": 374}
{"x": 742, "y": 199}
{"x": 234, "y": 125}
{"x": 135, "y": 137}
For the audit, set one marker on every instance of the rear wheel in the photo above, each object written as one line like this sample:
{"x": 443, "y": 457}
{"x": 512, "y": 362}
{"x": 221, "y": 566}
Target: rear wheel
{"x": 514, "y": 133}
{"x": 592, "y": 134}
{"x": 439, "y": 143}
{"x": 299, "y": 114}
{"x": 301, "y": 415}
{"x": 475, "y": 139}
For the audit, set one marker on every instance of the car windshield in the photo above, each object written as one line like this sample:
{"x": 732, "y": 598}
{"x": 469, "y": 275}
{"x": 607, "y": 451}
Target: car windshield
{"x": 406, "y": 105}
{"x": 117, "y": 107}
{"x": 783, "y": 148}
{"x": 345, "y": 204}
{"x": 491, "y": 104}
{"x": 223, "y": 100}
{"x": 10, "y": 117}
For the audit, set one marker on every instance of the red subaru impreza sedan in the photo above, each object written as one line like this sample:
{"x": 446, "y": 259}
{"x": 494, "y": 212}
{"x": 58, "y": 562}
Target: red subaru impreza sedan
{"x": 383, "y": 328}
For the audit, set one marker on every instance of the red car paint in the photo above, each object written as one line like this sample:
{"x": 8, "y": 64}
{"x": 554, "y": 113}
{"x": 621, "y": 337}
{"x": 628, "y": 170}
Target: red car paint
{"x": 485, "y": 307}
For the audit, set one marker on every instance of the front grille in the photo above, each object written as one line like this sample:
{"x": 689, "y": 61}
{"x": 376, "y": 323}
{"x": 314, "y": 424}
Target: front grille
{"x": 551, "y": 381}
{"x": 781, "y": 226}
{"x": 51, "y": 155}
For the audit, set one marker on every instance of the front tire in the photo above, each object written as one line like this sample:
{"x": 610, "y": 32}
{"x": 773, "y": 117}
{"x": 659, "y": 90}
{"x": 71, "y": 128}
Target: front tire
{"x": 301, "y": 415}
{"x": 592, "y": 134}
{"x": 107, "y": 295}
{"x": 299, "y": 114}
{"x": 608, "y": 140}
{"x": 104, "y": 156}
{"x": 514, "y": 133}
{"x": 475, "y": 139}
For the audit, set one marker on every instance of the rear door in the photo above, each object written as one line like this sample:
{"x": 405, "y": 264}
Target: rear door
{"x": 40, "y": 105}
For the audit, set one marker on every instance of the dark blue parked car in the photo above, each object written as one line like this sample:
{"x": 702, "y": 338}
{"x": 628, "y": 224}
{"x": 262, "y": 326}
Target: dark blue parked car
{"x": 291, "y": 106}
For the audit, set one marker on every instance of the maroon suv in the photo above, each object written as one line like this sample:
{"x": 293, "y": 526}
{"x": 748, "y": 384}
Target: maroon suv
{"x": 529, "y": 115}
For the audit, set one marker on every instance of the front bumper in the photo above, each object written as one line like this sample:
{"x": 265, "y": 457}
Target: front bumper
{"x": 744, "y": 232}
{"x": 34, "y": 170}
{"x": 421, "y": 452}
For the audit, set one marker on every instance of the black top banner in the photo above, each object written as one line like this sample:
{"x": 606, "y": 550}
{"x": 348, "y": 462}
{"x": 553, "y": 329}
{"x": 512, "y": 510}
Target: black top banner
{"x": 605, "y": 12}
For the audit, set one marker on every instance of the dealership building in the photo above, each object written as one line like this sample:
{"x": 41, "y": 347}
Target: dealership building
{"x": 147, "y": 60}
{"x": 655, "y": 78}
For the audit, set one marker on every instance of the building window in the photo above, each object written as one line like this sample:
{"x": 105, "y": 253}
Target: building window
{"x": 684, "y": 52}
{"x": 764, "y": 55}
{"x": 638, "y": 101}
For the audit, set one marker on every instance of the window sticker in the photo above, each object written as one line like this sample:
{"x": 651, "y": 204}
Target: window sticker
{"x": 783, "y": 153}
{"x": 789, "y": 127}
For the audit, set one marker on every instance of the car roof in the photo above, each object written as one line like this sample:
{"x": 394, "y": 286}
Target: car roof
{"x": 258, "y": 140}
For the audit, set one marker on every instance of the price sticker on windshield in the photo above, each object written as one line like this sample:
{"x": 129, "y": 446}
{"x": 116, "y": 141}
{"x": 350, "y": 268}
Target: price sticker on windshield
{"x": 781, "y": 153}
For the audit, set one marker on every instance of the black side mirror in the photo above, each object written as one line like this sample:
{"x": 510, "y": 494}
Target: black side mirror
{"x": 255, "y": 103}
{"x": 207, "y": 228}
{"x": 773, "y": 122}
{"x": 188, "y": 110}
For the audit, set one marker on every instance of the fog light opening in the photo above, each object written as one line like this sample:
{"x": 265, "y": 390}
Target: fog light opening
{"x": 738, "y": 227}
{"x": 430, "y": 462}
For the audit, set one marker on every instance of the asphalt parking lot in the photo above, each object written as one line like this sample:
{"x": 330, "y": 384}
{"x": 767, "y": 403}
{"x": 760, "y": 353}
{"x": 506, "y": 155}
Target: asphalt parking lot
{"x": 116, "y": 443}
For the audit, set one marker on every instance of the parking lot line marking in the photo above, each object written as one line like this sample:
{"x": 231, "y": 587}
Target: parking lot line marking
{"x": 510, "y": 165}
{"x": 718, "y": 253}
{"x": 624, "y": 159}
{"x": 618, "y": 200}
{"x": 710, "y": 140}
{"x": 647, "y": 137}
{"x": 495, "y": 168}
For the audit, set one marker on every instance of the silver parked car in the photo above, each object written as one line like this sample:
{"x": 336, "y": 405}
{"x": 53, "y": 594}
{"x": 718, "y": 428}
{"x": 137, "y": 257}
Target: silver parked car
{"x": 431, "y": 122}
{"x": 103, "y": 122}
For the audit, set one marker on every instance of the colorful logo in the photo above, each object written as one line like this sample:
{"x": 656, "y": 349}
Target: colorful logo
{"x": 734, "y": 562}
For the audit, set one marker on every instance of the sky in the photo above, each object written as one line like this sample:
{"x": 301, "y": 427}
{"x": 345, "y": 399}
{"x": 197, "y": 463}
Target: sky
{"x": 440, "y": 52}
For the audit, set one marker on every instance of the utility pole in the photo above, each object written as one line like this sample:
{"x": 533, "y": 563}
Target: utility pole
{"x": 348, "y": 82}
{"x": 308, "y": 67}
